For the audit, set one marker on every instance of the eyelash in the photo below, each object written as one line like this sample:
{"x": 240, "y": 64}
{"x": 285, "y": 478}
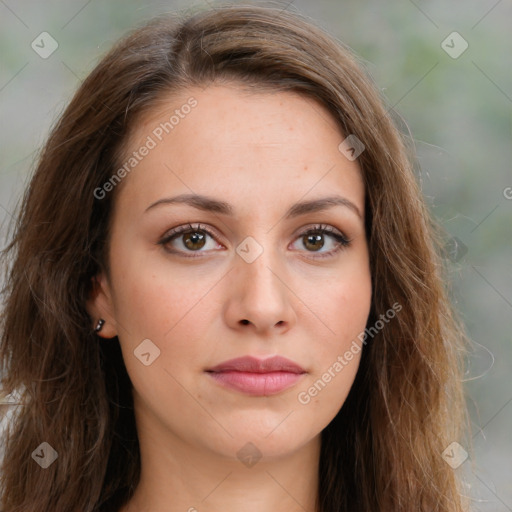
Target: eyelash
{"x": 321, "y": 229}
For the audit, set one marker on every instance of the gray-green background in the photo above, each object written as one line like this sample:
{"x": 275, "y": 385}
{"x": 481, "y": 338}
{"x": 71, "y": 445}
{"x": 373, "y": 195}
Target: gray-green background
{"x": 459, "y": 112}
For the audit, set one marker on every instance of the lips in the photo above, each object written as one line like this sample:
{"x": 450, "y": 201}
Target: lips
{"x": 257, "y": 377}
{"x": 253, "y": 365}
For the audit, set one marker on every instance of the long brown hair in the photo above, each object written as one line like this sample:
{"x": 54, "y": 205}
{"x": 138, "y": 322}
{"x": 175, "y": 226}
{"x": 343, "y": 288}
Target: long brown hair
{"x": 382, "y": 452}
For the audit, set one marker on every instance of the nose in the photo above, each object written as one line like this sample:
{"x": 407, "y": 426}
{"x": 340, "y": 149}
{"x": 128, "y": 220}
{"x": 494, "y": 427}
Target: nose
{"x": 259, "y": 298}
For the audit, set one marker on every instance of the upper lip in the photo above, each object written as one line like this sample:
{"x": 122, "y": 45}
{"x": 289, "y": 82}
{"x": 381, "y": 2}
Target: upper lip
{"x": 254, "y": 365}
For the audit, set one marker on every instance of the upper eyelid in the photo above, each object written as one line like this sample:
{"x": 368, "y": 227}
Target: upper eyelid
{"x": 184, "y": 228}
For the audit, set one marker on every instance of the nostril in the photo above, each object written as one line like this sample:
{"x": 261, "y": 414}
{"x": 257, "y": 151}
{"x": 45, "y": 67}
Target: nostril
{"x": 245, "y": 322}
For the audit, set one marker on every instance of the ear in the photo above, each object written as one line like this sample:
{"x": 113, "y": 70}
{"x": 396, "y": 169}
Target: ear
{"x": 99, "y": 305}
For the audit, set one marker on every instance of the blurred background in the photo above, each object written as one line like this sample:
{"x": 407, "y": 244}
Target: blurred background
{"x": 445, "y": 69}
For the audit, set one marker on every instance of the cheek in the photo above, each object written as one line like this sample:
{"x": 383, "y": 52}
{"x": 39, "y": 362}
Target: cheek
{"x": 341, "y": 304}
{"x": 153, "y": 299}
{"x": 336, "y": 355}
{"x": 174, "y": 311}
{"x": 344, "y": 306}
{"x": 162, "y": 308}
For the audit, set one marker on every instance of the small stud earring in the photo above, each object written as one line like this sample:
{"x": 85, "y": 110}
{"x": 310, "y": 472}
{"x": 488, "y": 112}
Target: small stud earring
{"x": 99, "y": 325}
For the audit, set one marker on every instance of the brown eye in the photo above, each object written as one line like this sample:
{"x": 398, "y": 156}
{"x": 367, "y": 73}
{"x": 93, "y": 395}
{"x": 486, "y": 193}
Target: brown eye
{"x": 194, "y": 240}
{"x": 313, "y": 241}
{"x": 189, "y": 239}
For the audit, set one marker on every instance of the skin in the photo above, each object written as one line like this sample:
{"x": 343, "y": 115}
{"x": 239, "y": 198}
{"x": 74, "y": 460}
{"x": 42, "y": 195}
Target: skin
{"x": 261, "y": 153}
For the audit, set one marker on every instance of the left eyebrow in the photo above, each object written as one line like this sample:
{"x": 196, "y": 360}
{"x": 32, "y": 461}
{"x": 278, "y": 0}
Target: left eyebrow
{"x": 210, "y": 204}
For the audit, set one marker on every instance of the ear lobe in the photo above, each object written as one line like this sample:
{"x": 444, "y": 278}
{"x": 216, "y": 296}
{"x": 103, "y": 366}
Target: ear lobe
{"x": 99, "y": 305}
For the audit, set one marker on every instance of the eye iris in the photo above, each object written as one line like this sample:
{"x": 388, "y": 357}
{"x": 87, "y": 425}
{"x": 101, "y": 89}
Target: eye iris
{"x": 312, "y": 239}
{"x": 192, "y": 238}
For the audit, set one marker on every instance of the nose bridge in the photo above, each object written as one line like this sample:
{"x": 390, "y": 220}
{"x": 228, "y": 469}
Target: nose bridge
{"x": 258, "y": 264}
{"x": 259, "y": 294}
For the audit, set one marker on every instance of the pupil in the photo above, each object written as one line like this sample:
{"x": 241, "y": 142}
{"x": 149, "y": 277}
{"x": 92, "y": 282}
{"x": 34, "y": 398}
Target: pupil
{"x": 191, "y": 239}
{"x": 315, "y": 238}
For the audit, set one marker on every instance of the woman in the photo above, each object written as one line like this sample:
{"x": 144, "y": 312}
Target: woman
{"x": 226, "y": 289}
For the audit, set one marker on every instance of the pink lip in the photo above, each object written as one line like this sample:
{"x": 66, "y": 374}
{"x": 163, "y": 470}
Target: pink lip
{"x": 257, "y": 377}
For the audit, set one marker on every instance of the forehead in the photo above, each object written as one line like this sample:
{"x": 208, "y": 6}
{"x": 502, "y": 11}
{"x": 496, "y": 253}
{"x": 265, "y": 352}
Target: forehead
{"x": 222, "y": 140}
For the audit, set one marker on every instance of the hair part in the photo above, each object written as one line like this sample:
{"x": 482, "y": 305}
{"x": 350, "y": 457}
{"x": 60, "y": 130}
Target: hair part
{"x": 383, "y": 450}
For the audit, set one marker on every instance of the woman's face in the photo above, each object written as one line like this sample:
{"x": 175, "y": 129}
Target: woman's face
{"x": 257, "y": 278}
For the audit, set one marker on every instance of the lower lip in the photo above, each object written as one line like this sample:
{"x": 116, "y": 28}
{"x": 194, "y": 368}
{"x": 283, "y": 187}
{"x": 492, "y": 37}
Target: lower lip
{"x": 257, "y": 384}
